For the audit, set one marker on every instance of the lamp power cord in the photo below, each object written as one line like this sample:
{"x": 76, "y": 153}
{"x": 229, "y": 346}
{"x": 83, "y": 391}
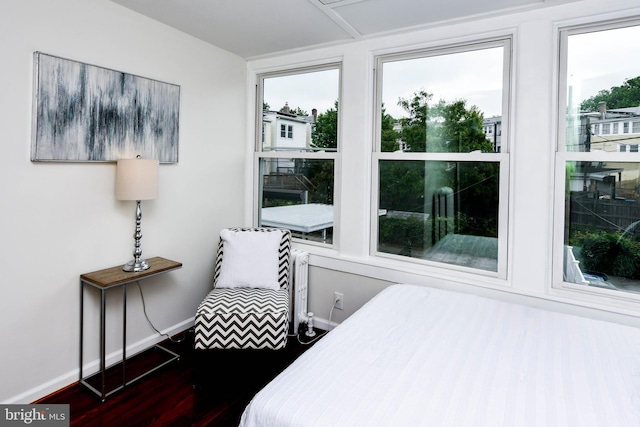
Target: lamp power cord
{"x": 144, "y": 310}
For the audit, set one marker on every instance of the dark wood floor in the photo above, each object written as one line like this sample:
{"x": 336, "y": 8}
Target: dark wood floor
{"x": 167, "y": 397}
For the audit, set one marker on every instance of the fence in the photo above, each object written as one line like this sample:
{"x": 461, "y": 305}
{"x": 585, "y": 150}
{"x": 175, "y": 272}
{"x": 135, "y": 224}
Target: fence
{"x": 588, "y": 211}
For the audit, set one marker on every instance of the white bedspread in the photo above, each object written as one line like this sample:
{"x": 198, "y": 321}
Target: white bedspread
{"x": 416, "y": 356}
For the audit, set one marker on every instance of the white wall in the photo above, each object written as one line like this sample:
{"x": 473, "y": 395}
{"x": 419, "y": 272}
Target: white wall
{"x": 349, "y": 268}
{"x": 59, "y": 220}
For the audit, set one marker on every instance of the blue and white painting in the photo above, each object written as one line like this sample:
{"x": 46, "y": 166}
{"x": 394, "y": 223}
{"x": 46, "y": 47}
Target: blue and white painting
{"x": 85, "y": 113}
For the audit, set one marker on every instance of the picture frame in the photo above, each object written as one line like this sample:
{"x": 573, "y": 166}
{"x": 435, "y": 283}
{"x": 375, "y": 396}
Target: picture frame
{"x": 86, "y": 113}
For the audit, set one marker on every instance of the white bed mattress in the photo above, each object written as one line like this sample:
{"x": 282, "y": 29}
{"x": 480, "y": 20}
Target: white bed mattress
{"x": 416, "y": 356}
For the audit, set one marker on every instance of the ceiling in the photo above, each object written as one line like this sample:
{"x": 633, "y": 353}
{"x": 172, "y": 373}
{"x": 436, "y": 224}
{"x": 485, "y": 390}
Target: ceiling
{"x": 253, "y": 28}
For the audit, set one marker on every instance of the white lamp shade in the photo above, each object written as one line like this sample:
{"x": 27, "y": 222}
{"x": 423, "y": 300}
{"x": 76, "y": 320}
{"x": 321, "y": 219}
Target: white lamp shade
{"x": 137, "y": 179}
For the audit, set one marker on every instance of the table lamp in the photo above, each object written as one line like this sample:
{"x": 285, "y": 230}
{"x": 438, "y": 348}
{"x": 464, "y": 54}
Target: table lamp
{"x": 137, "y": 179}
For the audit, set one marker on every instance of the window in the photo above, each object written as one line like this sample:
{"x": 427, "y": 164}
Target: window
{"x": 297, "y": 152}
{"x": 598, "y": 215}
{"x": 286, "y": 131}
{"x": 440, "y": 164}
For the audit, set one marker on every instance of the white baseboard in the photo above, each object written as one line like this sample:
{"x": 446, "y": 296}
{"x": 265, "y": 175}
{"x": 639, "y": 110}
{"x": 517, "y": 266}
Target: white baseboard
{"x": 92, "y": 367}
{"x": 324, "y": 324}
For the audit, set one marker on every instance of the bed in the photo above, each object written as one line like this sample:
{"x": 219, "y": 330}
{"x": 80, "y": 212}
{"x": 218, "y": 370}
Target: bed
{"x": 417, "y": 356}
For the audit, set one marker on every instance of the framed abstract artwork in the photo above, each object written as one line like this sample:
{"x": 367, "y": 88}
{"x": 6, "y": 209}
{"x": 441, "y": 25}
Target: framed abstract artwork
{"x": 85, "y": 113}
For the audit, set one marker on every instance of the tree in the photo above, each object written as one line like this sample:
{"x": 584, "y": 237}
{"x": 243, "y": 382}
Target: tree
{"x": 444, "y": 127}
{"x": 402, "y": 185}
{"x": 626, "y": 95}
{"x": 325, "y": 130}
{"x": 388, "y": 135}
{"x": 321, "y": 172}
{"x": 458, "y": 128}
{"x": 414, "y": 127}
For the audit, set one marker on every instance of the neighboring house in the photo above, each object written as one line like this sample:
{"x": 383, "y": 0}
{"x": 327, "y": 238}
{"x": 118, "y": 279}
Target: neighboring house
{"x": 285, "y": 131}
{"x": 493, "y": 129}
{"x": 282, "y": 130}
{"x": 614, "y": 130}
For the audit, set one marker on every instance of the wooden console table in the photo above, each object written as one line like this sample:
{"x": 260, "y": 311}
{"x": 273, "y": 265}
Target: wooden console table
{"x": 106, "y": 279}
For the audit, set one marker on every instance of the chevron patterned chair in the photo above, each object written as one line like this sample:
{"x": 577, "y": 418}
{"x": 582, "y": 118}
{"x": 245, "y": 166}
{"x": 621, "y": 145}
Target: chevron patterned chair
{"x": 248, "y": 307}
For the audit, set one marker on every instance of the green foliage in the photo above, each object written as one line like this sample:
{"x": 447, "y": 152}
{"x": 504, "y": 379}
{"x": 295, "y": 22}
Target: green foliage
{"x": 626, "y": 95}
{"x": 408, "y": 234}
{"x": 325, "y": 131}
{"x": 269, "y": 203}
{"x": 578, "y": 236}
{"x": 443, "y": 127}
{"x": 462, "y": 128}
{"x": 321, "y": 172}
{"x": 402, "y": 185}
{"x": 478, "y": 188}
{"x": 405, "y": 233}
{"x": 414, "y": 127}
{"x": 298, "y": 112}
{"x": 475, "y": 226}
{"x": 609, "y": 253}
{"x": 388, "y": 135}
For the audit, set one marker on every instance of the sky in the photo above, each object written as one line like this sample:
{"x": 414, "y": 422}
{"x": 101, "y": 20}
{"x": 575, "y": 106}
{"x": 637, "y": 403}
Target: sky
{"x": 319, "y": 90}
{"x": 596, "y": 61}
{"x": 601, "y": 60}
{"x": 475, "y": 76}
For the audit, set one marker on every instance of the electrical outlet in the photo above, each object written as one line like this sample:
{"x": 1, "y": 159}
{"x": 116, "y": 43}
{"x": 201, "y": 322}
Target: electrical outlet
{"x": 338, "y": 300}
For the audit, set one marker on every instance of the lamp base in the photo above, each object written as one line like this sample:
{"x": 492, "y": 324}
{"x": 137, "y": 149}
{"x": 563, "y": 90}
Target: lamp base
{"x": 135, "y": 266}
